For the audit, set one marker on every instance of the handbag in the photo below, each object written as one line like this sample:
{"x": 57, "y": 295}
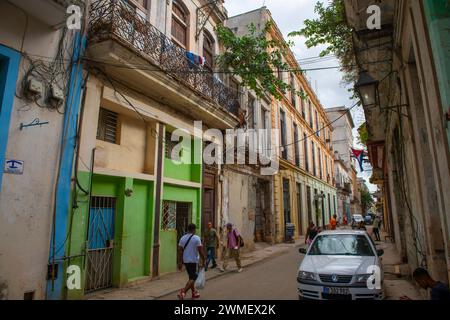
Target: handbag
{"x": 239, "y": 239}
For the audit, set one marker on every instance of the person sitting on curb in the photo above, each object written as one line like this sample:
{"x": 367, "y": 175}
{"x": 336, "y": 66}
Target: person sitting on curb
{"x": 439, "y": 291}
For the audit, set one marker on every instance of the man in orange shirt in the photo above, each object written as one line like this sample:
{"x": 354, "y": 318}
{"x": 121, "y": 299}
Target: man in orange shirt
{"x": 333, "y": 222}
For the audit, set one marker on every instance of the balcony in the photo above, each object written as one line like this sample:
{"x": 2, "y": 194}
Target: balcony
{"x": 156, "y": 65}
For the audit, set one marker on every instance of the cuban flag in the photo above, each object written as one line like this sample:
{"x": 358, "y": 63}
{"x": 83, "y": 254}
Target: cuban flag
{"x": 359, "y": 155}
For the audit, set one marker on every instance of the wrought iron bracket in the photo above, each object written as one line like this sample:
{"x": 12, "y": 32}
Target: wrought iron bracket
{"x": 203, "y": 14}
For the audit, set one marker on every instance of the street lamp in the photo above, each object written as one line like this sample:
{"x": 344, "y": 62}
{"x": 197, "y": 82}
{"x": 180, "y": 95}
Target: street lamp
{"x": 367, "y": 88}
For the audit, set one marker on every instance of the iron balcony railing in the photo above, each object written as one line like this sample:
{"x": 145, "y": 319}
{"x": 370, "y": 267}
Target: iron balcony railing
{"x": 115, "y": 19}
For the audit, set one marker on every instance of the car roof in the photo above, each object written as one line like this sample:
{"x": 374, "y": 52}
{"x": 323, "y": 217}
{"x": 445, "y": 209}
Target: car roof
{"x": 344, "y": 232}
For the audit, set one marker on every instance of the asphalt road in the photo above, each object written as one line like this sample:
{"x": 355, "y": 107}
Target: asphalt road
{"x": 273, "y": 279}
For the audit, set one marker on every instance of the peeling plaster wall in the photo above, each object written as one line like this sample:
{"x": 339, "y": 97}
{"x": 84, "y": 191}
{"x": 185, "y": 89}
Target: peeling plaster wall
{"x": 240, "y": 204}
{"x": 26, "y": 201}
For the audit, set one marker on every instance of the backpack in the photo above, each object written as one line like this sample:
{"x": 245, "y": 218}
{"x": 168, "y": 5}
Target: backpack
{"x": 239, "y": 239}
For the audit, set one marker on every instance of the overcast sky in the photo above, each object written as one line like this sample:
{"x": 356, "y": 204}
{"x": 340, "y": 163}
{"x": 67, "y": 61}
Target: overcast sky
{"x": 289, "y": 16}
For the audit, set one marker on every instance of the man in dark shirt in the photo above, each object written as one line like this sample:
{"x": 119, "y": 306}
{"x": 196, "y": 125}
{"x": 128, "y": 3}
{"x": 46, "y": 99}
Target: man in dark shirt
{"x": 439, "y": 291}
{"x": 212, "y": 244}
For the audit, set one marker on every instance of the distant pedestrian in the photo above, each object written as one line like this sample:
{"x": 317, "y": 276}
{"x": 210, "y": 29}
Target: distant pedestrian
{"x": 234, "y": 244}
{"x": 376, "y": 228}
{"x": 212, "y": 244}
{"x": 189, "y": 249}
{"x": 311, "y": 233}
{"x": 333, "y": 222}
{"x": 345, "y": 220}
{"x": 361, "y": 226}
{"x": 439, "y": 290}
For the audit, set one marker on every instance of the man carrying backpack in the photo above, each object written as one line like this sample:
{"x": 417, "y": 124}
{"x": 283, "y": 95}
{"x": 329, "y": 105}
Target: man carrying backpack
{"x": 189, "y": 249}
{"x": 234, "y": 244}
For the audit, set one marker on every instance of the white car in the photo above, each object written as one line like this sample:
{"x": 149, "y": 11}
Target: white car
{"x": 338, "y": 265}
{"x": 356, "y": 220}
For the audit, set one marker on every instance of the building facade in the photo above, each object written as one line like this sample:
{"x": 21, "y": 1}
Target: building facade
{"x": 344, "y": 173}
{"x": 408, "y": 124}
{"x": 149, "y": 102}
{"x": 40, "y": 98}
{"x": 303, "y": 188}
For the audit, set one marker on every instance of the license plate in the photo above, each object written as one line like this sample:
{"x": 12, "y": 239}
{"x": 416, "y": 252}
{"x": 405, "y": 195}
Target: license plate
{"x": 333, "y": 290}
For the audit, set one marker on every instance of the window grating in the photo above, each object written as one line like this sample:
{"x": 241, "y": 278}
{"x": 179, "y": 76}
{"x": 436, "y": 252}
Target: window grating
{"x": 107, "y": 126}
{"x": 169, "y": 215}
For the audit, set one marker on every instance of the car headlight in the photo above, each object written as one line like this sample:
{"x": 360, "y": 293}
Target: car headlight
{"x": 362, "y": 278}
{"x": 304, "y": 275}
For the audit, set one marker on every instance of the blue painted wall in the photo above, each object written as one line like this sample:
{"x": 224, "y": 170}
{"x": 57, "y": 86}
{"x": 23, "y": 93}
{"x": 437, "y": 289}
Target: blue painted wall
{"x": 55, "y": 288}
{"x": 9, "y": 71}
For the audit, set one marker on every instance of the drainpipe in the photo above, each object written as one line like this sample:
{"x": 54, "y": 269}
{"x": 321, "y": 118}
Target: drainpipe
{"x": 159, "y": 174}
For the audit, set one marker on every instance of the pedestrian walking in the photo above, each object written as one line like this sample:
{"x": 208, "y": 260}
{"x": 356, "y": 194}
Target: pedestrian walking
{"x": 311, "y": 233}
{"x": 234, "y": 244}
{"x": 333, "y": 222}
{"x": 376, "y": 228}
{"x": 361, "y": 226}
{"x": 189, "y": 249}
{"x": 212, "y": 244}
{"x": 439, "y": 290}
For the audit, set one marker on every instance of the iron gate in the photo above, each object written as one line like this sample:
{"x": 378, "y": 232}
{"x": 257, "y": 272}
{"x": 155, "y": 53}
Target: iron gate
{"x": 100, "y": 243}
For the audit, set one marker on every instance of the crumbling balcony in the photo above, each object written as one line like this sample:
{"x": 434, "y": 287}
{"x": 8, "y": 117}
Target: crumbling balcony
{"x": 156, "y": 65}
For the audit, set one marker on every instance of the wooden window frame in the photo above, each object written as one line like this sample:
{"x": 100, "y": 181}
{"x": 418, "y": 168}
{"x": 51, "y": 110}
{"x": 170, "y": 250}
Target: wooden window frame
{"x": 181, "y": 7}
{"x": 207, "y": 37}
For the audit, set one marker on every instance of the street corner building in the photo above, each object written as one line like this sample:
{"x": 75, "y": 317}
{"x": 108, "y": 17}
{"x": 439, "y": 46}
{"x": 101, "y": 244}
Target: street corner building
{"x": 404, "y": 88}
{"x": 147, "y": 80}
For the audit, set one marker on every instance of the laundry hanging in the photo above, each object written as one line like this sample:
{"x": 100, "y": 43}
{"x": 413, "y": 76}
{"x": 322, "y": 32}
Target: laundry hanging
{"x": 195, "y": 59}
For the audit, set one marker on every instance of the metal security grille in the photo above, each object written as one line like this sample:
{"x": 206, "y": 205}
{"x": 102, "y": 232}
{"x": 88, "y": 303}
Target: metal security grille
{"x": 107, "y": 126}
{"x": 169, "y": 215}
{"x": 100, "y": 243}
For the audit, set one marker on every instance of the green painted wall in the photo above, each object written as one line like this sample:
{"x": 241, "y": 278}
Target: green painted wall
{"x": 168, "y": 238}
{"x": 133, "y": 227}
{"x": 437, "y": 14}
{"x": 188, "y": 171}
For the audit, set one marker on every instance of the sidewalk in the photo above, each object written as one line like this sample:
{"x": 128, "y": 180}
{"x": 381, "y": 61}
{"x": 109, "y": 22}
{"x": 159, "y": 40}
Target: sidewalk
{"x": 171, "y": 283}
{"x": 397, "y": 276}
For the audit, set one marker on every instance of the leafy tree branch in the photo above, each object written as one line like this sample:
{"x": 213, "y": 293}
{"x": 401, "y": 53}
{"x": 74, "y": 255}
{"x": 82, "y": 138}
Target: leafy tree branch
{"x": 257, "y": 60}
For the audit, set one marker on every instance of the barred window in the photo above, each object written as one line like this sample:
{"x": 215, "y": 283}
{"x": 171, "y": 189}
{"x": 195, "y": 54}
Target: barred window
{"x": 107, "y": 128}
{"x": 169, "y": 219}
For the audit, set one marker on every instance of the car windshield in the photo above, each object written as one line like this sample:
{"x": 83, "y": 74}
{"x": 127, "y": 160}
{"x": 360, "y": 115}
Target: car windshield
{"x": 341, "y": 245}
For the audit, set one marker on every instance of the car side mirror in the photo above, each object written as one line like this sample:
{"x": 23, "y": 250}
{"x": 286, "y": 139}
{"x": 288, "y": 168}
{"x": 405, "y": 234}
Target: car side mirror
{"x": 380, "y": 252}
{"x": 302, "y": 250}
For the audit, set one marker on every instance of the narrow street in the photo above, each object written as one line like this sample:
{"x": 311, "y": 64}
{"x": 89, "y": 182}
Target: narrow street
{"x": 276, "y": 279}
{"x": 273, "y": 279}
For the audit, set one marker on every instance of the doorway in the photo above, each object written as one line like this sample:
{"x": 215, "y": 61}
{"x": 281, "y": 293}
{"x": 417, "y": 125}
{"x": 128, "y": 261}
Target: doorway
{"x": 299, "y": 209}
{"x": 286, "y": 206}
{"x": 262, "y": 212}
{"x": 99, "y": 257}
